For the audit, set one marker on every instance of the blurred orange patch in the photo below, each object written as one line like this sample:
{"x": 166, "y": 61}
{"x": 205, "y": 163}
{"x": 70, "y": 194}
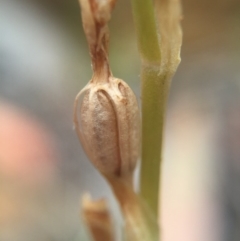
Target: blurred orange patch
{"x": 27, "y": 152}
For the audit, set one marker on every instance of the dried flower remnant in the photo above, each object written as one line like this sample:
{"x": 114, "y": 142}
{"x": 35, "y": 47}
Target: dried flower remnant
{"x": 106, "y": 114}
{"x": 97, "y": 218}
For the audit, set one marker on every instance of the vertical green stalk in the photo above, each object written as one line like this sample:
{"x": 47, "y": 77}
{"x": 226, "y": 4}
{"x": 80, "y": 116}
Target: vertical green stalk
{"x": 144, "y": 18}
{"x": 154, "y": 95}
{"x": 153, "y": 101}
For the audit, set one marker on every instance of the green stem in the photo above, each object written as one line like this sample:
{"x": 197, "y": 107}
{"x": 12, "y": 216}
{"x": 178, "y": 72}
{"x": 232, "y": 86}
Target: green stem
{"x": 154, "y": 94}
{"x": 144, "y": 18}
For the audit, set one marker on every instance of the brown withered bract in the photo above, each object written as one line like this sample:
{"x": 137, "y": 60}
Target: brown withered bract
{"x": 98, "y": 219}
{"x": 106, "y": 113}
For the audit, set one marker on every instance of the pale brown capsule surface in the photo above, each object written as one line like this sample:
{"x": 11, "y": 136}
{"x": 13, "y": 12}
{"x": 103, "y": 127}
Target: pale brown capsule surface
{"x": 107, "y": 120}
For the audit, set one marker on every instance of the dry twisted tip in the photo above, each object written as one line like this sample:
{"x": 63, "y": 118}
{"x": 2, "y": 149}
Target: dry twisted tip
{"x": 95, "y": 16}
{"x": 106, "y": 114}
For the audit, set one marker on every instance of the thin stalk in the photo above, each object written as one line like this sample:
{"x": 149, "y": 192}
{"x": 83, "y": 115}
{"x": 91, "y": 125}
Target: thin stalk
{"x": 153, "y": 101}
{"x": 140, "y": 224}
{"x": 154, "y": 95}
{"x": 144, "y": 18}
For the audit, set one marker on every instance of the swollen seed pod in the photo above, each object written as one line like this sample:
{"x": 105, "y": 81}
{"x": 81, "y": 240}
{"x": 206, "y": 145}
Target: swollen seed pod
{"x": 106, "y": 114}
{"x": 107, "y": 120}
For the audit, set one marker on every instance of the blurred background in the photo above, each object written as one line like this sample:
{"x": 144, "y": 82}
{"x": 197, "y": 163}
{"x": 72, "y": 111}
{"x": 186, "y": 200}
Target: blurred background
{"x": 44, "y": 62}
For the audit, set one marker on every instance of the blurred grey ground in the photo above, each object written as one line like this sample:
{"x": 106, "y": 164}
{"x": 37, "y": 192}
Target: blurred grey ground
{"x": 45, "y": 62}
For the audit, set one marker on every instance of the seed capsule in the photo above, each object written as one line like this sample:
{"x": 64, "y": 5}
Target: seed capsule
{"x": 107, "y": 120}
{"x": 106, "y": 114}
